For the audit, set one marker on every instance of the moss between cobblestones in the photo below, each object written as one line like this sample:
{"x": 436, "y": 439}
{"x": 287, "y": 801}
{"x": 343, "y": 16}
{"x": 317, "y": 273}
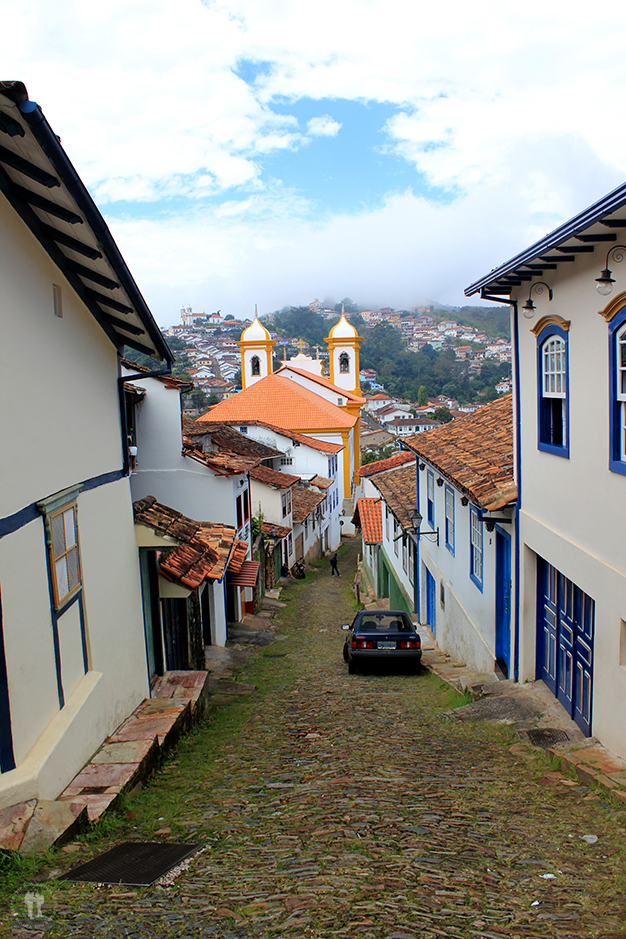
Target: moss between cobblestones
{"x": 345, "y": 806}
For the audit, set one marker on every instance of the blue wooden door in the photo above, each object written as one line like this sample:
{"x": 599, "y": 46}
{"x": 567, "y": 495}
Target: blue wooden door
{"x": 431, "y": 602}
{"x": 565, "y": 642}
{"x": 503, "y": 601}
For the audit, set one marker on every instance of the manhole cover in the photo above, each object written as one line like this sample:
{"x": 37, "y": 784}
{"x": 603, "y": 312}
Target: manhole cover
{"x": 546, "y": 737}
{"x": 137, "y": 864}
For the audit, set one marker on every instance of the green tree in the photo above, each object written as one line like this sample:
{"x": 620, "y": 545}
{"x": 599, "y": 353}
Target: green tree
{"x": 422, "y": 396}
{"x": 442, "y": 414}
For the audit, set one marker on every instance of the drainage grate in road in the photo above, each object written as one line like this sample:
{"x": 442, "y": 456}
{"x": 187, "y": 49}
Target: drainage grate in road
{"x": 135, "y": 863}
{"x": 546, "y": 737}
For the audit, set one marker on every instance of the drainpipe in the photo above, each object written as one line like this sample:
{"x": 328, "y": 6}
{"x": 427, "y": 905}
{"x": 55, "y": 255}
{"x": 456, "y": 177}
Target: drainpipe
{"x": 518, "y": 472}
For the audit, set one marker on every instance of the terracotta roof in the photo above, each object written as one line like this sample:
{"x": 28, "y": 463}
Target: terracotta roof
{"x": 303, "y": 439}
{"x": 398, "y": 489}
{"x": 381, "y": 466}
{"x": 246, "y": 576}
{"x": 321, "y": 380}
{"x": 238, "y": 556}
{"x": 204, "y": 547}
{"x": 283, "y": 402}
{"x": 272, "y": 477}
{"x": 475, "y": 453}
{"x": 222, "y": 461}
{"x": 228, "y": 438}
{"x": 369, "y": 518}
{"x": 135, "y": 390}
{"x": 321, "y": 482}
{"x": 305, "y": 501}
{"x": 275, "y": 531}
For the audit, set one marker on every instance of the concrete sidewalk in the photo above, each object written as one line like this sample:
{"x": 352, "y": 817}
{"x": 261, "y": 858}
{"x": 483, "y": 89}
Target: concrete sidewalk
{"x": 537, "y": 717}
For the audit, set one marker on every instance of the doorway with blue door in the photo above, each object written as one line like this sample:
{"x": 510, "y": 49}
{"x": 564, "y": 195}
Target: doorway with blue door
{"x": 503, "y": 602}
{"x": 431, "y": 601}
{"x": 565, "y": 631}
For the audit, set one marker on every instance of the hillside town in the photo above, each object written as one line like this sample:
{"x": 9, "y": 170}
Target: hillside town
{"x": 134, "y": 543}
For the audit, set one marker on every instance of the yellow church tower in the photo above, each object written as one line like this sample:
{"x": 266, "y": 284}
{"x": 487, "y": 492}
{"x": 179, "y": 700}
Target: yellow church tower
{"x": 343, "y": 344}
{"x": 256, "y": 347}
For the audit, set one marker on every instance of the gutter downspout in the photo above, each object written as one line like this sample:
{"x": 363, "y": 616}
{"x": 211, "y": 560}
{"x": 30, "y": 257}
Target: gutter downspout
{"x": 518, "y": 472}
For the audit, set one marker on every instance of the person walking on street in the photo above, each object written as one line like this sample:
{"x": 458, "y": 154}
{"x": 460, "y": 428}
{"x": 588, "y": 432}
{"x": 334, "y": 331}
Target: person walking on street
{"x": 333, "y": 566}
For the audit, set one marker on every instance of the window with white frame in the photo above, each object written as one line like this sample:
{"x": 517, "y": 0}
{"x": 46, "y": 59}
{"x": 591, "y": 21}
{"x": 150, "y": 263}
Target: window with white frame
{"x": 61, "y": 521}
{"x": 430, "y": 497}
{"x": 450, "y": 519}
{"x": 411, "y": 561}
{"x": 286, "y": 503}
{"x": 476, "y": 547}
{"x": 286, "y": 461}
{"x": 396, "y": 544}
{"x": 552, "y": 364}
{"x": 405, "y": 554}
{"x": 618, "y": 394}
{"x": 387, "y": 523}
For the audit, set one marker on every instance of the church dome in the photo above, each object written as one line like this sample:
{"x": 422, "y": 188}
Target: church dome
{"x": 256, "y": 332}
{"x": 342, "y": 330}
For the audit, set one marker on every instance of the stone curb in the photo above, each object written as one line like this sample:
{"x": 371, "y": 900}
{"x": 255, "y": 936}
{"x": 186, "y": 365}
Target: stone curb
{"x": 120, "y": 766}
{"x": 591, "y": 763}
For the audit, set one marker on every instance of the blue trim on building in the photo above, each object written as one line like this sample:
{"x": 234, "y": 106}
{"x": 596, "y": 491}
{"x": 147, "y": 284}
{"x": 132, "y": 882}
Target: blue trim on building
{"x": 561, "y": 450}
{"x": 616, "y": 464}
{"x": 518, "y": 503}
{"x": 13, "y": 523}
{"x": 7, "y": 755}
{"x": 475, "y": 580}
{"x": 449, "y": 542}
{"x": 54, "y": 621}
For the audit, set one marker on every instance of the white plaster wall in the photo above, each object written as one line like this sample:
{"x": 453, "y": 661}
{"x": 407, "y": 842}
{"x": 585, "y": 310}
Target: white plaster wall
{"x": 71, "y": 648}
{"x": 466, "y": 627}
{"x": 270, "y": 501}
{"x": 79, "y": 436}
{"x": 395, "y": 560}
{"x": 28, "y": 636}
{"x": 162, "y": 471}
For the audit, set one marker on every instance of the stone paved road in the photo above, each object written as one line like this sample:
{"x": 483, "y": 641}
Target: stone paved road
{"x": 346, "y": 806}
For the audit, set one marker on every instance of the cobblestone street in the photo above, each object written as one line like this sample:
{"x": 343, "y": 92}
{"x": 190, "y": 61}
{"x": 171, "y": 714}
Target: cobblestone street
{"x": 333, "y": 805}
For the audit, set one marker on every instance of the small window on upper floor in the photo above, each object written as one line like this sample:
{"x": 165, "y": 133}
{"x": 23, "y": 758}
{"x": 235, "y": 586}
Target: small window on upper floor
{"x": 450, "y": 519}
{"x": 430, "y": 496}
{"x": 617, "y": 372}
{"x": 552, "y": 365}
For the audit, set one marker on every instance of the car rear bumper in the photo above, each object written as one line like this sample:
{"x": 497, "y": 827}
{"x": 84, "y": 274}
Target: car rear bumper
{"x": 366, "y": 655}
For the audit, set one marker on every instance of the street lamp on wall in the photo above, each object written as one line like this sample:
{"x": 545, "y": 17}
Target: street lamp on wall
{"x": 529, "y": 307}
{"x": 604, "y": 283}
{"x": 416, "y": 521}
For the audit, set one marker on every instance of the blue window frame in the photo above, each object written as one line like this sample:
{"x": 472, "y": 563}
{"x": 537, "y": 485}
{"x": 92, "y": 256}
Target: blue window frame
{"x": 617, "y": 393}
{"x": 476, "y": 548}
{"x": 450, "y": 519}
{"x": 553, "y": 391}
{"x": 430, "y": 497}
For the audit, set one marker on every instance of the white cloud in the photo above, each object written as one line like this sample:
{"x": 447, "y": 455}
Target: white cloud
{"x": 325, "y": 126}
{"x": 516, "y": 111}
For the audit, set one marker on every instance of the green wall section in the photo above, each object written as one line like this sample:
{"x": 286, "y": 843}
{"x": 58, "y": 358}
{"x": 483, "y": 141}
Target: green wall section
{"x": 392, "y": 588}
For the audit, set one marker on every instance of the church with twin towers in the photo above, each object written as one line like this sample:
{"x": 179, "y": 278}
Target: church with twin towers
{"x": 297, "y": 396}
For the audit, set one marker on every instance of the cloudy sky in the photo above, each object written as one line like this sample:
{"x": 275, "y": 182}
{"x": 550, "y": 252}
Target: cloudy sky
{"x": 275, "y": 151}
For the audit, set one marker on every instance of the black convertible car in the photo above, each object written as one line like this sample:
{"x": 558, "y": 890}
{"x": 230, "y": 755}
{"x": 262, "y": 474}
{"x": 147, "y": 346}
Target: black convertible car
{"x": 381, "y": 635}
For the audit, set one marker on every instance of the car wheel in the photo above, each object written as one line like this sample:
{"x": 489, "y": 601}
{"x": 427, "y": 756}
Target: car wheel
{"x": 352, "y": 668}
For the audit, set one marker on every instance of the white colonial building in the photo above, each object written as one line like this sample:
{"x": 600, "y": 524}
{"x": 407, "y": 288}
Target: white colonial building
{"x": 569, "y": 363}
{"x": 466, "y": 497}
{"x": 73, "y": 658}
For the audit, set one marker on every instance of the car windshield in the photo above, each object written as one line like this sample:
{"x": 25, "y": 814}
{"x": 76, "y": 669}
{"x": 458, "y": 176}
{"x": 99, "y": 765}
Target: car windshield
{"x": 384, "y": 622}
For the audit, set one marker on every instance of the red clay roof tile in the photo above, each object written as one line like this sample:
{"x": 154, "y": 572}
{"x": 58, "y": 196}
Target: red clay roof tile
{"x": 475, "y": 453}
{"x": 369, "y": 518}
